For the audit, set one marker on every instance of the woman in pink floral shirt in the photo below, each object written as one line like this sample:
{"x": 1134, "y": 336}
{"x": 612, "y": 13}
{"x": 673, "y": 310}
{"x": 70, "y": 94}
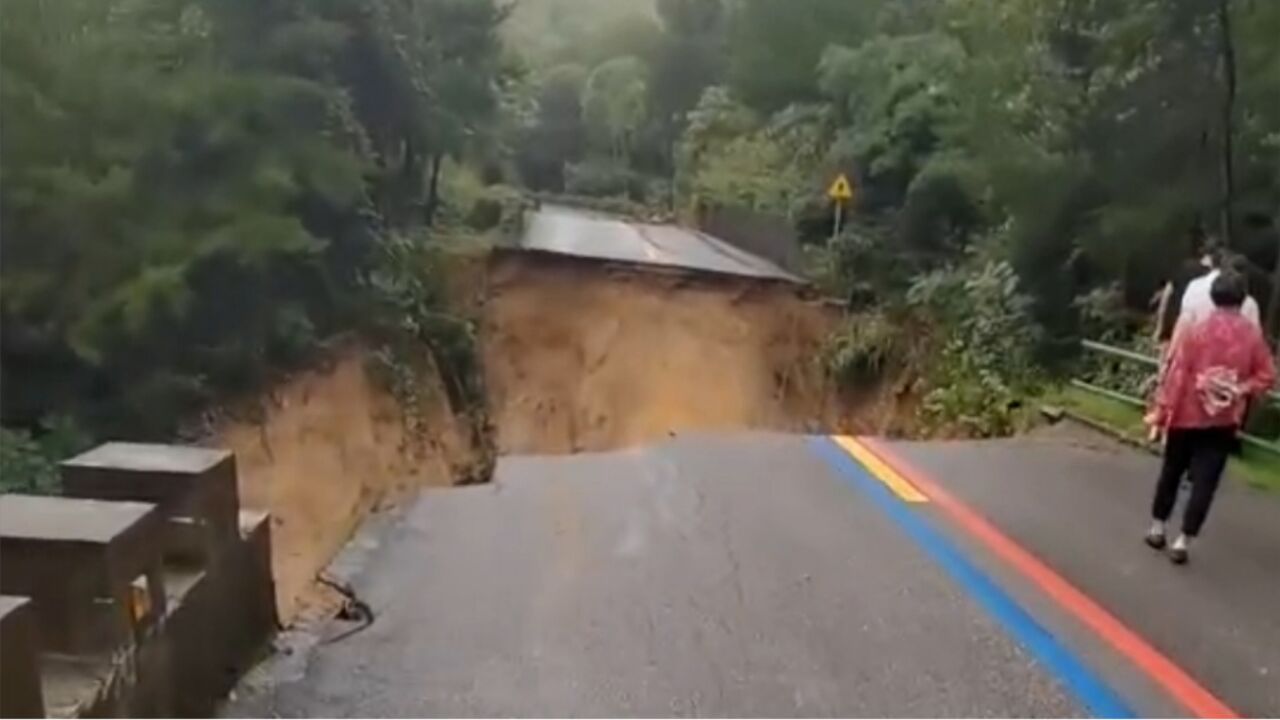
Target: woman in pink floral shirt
{"x": 1214, "y": 365}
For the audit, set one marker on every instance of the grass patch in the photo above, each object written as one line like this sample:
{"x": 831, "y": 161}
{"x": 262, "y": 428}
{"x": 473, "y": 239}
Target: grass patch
{"x": 1257, "y": 467}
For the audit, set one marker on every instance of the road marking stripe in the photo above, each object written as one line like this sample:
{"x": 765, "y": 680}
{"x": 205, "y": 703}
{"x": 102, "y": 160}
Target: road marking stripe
{"x": 1077, "y": 678}
{"x": 1177, "y": 682}
{"x": 880, "y": 471}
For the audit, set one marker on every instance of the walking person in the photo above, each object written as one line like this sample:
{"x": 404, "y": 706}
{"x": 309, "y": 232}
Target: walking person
{"x": 1212, "y": 368}
{"x": 1196, "y": 303}
{"x": 1168, "y": 300}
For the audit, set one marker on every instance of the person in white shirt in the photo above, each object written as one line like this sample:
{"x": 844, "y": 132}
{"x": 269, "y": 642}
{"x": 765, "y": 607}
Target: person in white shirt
{"x": 1197, "y": 303}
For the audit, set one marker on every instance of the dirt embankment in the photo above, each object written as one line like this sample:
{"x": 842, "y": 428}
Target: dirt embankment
{"x": 581, "y": 356}
{"x": 325, "y": 449}
{"x": 578, "y": 356}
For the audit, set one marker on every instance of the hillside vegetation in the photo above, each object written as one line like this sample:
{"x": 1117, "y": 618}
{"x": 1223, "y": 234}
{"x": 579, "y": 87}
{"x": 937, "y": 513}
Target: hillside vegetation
{"x": 196, "y": 196}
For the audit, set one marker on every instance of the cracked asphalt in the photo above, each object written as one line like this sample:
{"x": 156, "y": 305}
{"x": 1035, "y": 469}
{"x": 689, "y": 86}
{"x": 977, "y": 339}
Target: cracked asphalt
{"x": 738, "y": 576}
{"x": 566, "y": 231}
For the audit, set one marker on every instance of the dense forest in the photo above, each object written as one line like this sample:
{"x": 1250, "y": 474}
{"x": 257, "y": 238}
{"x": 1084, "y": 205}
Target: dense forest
{"x": 1086, "y": 142}
{"x": 1028, "y": 172}
{"x": 195, "y": 194}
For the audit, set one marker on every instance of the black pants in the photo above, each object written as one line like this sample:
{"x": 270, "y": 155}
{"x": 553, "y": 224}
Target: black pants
{"x": 1200, "y": 453}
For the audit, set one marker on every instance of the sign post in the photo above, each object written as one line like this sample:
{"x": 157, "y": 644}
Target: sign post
{"x": 840, "y": 192}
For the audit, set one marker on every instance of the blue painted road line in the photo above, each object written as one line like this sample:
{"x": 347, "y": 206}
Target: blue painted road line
{"x": 1087, "y": 687}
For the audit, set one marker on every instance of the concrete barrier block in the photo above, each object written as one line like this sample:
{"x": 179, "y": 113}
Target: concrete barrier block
{"x": 91, "y": 568}
{"x": 195, "y": 489}
{"x": 20, "y": 693}
{"x": 222, "y": 624}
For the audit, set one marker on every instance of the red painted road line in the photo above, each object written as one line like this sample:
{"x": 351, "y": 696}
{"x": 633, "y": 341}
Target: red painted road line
{"x": 1184, "y": 688}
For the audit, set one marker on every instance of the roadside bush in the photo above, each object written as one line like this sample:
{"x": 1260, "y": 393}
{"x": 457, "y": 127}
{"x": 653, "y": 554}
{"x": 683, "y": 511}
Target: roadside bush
{"x": 485, "y": 214}
{"x": 985, "y": 365}
{"x": 410, "y": 311}
{"x": 619, "y": 206}
{"x": 603, "y": 178}
{"x": 411, "y": 319}
{"x": 860, "y": 352}
{"x": 24, "y": 468}
{"x": 29, "y": 464}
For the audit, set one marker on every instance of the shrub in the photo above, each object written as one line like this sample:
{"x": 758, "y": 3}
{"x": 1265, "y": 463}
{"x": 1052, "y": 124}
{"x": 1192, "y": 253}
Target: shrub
{"x": 860, "y": 352}
{"x": 603, "y": 178}
{"x": 485, "y": 214}
{"x": 29, "y": 464}
{"x": 986, "y": 362}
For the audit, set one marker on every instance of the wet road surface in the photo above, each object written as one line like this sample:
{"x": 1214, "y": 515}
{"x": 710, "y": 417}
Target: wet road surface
{"x": 774, "y": 575}
{"x": 566, "y": 231}
{"x": 1083, "y": 511}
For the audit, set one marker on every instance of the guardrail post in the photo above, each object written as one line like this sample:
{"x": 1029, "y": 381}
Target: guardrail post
{"x": 1272, "y": 397}
{"x": 91, "y": 569}
{"x": 20, "y": 692}
{"x": 194, "y": 489}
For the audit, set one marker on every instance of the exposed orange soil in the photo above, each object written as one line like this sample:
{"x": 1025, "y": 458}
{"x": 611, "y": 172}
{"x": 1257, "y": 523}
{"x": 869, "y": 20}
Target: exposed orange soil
{"x": 330, "y": 446}
{"x": 582, "y": 356}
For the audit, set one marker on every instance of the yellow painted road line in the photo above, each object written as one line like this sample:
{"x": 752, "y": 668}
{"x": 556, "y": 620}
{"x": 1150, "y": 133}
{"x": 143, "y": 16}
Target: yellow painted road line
{"x": 882, "y": 472}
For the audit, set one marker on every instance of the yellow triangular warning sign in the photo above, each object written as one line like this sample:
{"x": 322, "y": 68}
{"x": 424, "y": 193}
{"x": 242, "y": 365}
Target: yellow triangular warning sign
{"x": 841, "y": 189}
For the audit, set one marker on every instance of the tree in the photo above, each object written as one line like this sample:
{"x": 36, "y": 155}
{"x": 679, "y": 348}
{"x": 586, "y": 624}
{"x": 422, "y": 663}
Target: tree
{"x": 775, "y": 45}
{"x": 613, "y": 104}
{"x": 689, "y": 59}
{"x": 1257, "y": 150}
{"x": 194, "y": 190}
{"x": 727, "y": 156}
{"x": 547, "y": 33}
{"x": 895, "y": 97}
{"x": 633, "y": 33}
{"x": 1227, "y": 50}
{"x": 186, "y": 168}
{"x": 556, "y": 135}
{"x": 424, "y": 76}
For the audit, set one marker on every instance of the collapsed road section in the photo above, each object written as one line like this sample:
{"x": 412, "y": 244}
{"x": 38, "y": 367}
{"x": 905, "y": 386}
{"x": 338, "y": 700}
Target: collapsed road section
{"x": 599, "y": 334}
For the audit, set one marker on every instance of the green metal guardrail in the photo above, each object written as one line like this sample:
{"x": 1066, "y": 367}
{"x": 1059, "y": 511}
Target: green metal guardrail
{"x": 1125, "y": 354}
{"x": 1137, "y": 357}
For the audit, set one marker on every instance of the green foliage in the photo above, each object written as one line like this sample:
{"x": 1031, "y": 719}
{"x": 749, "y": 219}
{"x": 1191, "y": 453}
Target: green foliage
{"x": 985, "y": 365}
{"x": 728, "y": 157}
{"x": 613, "y": 104}
{"x": 1106, "y": 323}
{"x": 866, "y": 345}
{"x": 611, "y": 205}
{"x": 409, "y": 312}
{"x": 1081, "y": 142}
{"x": 554, "y": 135}
{"x": 895, "y": 94}
{"x": 749, "y": 171}
{"x": 689, "y": 58}
{"x": 585, "y": 32}
{"x": 189, "y": 191}
{"x": 603, "y": 178}
{"x": 775, "y": 45}
{"x": 647, "y": 64}
{"x": 1076, "y": 146}
{"x": 30, "y": 464}
{"x": 470, "y": 205}
{"x": 1255, "y": 466}
{"x": 24, "y": 467}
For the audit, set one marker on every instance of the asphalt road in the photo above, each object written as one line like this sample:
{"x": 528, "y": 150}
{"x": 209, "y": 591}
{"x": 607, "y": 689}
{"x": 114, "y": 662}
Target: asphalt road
{"x": 566, "y": 231}
{"x": 1083, "y": 509}
{"x": 760, "y": 575}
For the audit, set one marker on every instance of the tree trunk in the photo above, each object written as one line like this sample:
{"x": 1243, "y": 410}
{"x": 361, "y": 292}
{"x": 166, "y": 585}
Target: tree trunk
{"x": 408, "y": 187}
{"x": 1273, "y": 303}
{"x": 433, "y": 188}
{"x": 1228, "y": 56}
